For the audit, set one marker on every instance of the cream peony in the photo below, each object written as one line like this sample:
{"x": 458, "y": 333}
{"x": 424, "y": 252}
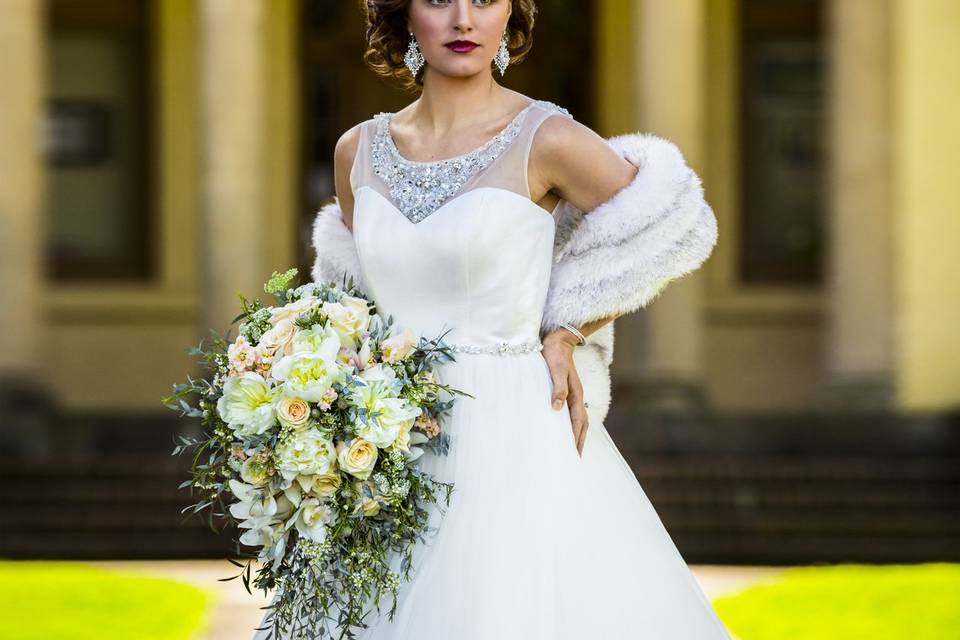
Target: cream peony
{"x": 308, "y": 374}
{"x": 306, "y": 453}
{"x": 247, "y": 404}
{"x": 359, "y": 458}
{"x": 293, "y": 412}
{"x": 349, "y": 317}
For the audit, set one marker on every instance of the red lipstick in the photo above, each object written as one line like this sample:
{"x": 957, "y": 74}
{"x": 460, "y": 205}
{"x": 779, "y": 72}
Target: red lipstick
{"x": 461, "y": 46}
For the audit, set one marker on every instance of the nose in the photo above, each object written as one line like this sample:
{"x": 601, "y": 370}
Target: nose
{"x": 463, "y": 16}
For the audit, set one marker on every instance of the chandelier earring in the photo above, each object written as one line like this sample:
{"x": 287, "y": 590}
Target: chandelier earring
{"x": 414, "y": 57}
{"x": 502, "y": 59}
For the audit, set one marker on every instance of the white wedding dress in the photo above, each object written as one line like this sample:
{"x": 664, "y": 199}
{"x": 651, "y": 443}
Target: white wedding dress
{"x": 537, "y": 543}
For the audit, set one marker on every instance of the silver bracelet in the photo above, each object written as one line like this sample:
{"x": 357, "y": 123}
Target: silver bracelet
{"x": 572, "y": 329}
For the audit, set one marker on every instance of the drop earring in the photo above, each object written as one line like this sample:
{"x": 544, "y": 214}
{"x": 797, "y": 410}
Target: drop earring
{"x": 502, "y": 59}
{"x": 414, "y": 57}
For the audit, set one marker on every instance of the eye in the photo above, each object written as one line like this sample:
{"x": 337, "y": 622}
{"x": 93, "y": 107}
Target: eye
{"x": 481, "y": 3}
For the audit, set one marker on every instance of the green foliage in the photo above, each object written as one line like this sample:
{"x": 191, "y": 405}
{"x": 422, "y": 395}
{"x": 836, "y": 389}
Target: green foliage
{"x": 280, "y": 282}
{"x": 846, "y": 601}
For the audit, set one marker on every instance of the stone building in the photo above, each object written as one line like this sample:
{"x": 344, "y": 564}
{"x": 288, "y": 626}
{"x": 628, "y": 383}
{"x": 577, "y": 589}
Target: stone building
{"x": 160, "y": 157}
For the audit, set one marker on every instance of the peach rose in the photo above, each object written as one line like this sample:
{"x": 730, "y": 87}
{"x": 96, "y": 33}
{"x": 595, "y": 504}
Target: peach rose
{"x": 293, "y": 412}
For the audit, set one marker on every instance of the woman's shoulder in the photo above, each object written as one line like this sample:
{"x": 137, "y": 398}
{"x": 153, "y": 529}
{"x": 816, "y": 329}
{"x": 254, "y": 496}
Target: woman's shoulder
{"x": 548, "y": 107}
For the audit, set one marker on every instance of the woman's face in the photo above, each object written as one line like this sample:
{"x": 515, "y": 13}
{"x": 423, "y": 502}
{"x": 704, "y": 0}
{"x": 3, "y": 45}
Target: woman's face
{"x": 439, "y": 24}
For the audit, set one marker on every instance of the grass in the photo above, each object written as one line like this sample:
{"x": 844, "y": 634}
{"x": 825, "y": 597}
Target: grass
{"x": 74, "y": 601}
{"x": 849, "y": 602}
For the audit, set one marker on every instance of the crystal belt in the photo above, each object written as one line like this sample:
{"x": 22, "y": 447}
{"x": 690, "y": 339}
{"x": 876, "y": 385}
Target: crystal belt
{"x": 499, "y": 348}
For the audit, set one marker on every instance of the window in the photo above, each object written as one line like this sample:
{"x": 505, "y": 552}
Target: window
{"x": 97, "y": 141}
{"x": 783, "y": 173}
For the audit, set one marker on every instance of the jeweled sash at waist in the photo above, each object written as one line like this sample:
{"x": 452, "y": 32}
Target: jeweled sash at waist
{"x": 499, "y": 348}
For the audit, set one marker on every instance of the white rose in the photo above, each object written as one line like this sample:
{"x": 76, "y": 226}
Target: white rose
{"x": 292, "y": 311}
{"x": 349, "y": 317}
{"x": 278, "y": 340}
{"x": 359, "y": 458}
{"x": 255, "y": 470}
{"x": 368, "y": 506}
{"x": 326, "y": 485}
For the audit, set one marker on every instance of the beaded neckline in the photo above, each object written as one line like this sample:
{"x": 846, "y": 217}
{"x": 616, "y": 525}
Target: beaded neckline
{"x": 420, "y": 188}
{"x": 388, "y": 118}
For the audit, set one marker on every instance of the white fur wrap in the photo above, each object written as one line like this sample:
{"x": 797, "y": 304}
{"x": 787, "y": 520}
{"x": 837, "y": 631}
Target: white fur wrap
{"x": 610, "y": 261}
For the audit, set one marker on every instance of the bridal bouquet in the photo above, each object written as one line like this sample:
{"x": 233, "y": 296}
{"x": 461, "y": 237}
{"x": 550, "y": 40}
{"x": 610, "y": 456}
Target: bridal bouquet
{"x": 315, "y": 418}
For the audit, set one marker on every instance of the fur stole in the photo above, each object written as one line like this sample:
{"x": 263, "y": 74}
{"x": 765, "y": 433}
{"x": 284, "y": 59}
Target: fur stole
{"x": 610, "y": 261}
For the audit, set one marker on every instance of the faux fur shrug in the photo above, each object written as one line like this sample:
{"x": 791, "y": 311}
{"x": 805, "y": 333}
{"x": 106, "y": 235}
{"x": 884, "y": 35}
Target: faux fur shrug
{"x": 610, "y": 261}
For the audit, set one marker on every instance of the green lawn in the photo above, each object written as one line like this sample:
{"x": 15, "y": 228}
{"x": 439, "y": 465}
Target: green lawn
{"x": 72, "y": 601}
{"x": 849, "y": 602}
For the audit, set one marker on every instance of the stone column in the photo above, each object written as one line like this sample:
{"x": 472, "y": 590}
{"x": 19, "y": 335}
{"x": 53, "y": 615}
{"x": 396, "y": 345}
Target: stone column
{"x": 25, "y": 406}
{"x": 858, "y": 357}
{"x": 671, "y": 102}
{"x": 926, "y": 137}
{"x": 232, "y": 52}
{"x": 21, "y": 193}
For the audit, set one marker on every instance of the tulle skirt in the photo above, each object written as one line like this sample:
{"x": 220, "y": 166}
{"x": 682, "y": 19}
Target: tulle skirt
{"x": 538, "y": 543}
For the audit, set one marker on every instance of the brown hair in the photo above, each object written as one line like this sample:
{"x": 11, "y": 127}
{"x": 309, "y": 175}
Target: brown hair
{"x": 388, "y": 39}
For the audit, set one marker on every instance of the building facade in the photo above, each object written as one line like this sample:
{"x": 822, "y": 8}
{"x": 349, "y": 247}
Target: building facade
{"x": 161, "y": 157}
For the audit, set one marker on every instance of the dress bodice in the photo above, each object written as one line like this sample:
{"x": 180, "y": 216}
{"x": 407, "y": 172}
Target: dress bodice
{"x": 455, "y": 244}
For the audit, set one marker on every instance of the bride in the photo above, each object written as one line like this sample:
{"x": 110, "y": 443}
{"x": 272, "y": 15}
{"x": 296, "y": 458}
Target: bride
{"x": 500, "y": 218}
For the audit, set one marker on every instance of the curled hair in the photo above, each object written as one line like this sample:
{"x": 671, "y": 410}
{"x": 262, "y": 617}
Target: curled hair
{"x": 388, "y": 38}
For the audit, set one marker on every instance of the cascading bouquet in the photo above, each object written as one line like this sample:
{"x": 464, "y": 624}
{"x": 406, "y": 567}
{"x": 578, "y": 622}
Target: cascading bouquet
{"x": 314, "y": 423}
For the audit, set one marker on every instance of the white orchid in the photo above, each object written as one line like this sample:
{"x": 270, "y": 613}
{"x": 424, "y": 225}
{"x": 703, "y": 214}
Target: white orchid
{"x": 314, "y": 518}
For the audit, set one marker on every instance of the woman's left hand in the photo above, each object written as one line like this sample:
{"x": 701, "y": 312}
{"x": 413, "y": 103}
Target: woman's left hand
{"x": 558, "y": 349}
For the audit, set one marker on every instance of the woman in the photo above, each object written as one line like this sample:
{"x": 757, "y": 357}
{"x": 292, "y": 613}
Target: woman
{"x": 465, "y": 211}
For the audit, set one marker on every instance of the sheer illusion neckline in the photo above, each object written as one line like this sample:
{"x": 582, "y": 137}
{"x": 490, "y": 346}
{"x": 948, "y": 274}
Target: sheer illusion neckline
{"x": 391, "y": 143}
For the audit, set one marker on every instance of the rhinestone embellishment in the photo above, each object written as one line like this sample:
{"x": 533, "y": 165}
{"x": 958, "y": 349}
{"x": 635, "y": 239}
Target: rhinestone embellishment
{"x": 420, "y": 188}
{"x": 500, "y": 348}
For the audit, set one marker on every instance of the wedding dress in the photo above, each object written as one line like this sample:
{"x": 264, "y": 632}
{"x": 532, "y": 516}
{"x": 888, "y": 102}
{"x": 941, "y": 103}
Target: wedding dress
{"x": 537, "y": 543}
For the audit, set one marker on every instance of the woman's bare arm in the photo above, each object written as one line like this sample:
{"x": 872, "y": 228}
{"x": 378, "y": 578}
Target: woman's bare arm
{"x": 574, "y": 162}
{"x": 343, "y": 157}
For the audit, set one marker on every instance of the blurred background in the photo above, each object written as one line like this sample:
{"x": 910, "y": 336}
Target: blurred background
{"x": 793, "y": 402}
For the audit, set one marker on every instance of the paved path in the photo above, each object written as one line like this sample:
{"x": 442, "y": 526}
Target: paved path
{"x": 238, "y": 612}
